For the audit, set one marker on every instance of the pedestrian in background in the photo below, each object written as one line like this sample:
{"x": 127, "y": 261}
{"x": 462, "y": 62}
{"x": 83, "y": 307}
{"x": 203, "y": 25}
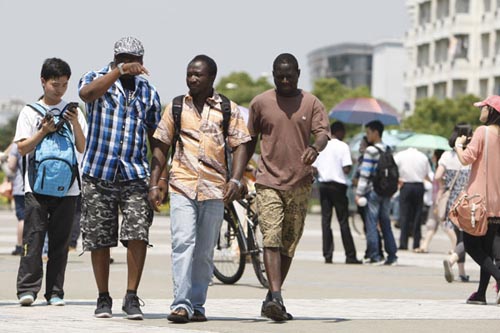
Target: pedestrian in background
{"x": 15, "y": 165}
{"x": 331, "y": 168}
{"x": 123, "y": 110}
{"x": 484, "y": 180}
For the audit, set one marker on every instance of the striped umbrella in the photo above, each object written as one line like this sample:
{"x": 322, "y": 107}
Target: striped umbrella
{"x": 362, "y": 110}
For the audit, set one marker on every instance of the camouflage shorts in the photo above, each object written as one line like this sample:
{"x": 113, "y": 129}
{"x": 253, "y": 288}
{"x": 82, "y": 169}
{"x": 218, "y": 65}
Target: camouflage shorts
{"x": 101, "y": 203}
{"x": 281, "y": 216}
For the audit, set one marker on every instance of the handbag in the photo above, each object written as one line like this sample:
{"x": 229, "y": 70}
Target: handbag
{"x": 442, "y": 201}
{"x": 468, "y": 212}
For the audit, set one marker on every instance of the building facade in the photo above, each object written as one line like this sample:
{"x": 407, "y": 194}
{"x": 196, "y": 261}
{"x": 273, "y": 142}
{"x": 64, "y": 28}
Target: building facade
{"x": 453, "y": 49}
{"x": 380, "y": 67}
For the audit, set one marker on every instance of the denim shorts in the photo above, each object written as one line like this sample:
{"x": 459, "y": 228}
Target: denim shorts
{"x": 101, "y": 203}
{"x": 19, "y": 202}
{"x": 281, "y": 216}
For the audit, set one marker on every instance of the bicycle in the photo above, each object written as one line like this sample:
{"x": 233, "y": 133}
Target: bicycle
{"x": 233, "y": 246}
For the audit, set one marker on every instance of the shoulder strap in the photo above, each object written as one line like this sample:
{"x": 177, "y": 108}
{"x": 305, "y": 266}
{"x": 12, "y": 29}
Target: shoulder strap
{"x": 226, "y": 114}
{"x": 38, "y": 108}
{"x": 486, "y": 165}
{"x": 177, "y": 104}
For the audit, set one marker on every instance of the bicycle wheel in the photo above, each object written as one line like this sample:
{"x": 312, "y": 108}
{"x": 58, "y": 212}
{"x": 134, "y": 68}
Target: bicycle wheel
{"x": 229, "y": 260}
{"x": 256, "y": 250}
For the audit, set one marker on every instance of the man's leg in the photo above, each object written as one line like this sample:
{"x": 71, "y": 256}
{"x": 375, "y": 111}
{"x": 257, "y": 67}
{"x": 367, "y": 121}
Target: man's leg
{"x": 418, "y": 199}
{"x": 325, "y": 195}
{"x": 136, "y": 257}
{"x": 100, "y": 265}
{"x": 372, "y": 236}
{"x": 341, "y": 204}
{"x": 385, "y": 225}
{"x": 405, "y": 215}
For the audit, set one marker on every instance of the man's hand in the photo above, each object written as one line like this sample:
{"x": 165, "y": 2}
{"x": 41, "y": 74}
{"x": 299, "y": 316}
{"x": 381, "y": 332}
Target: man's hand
{"x": 155, "y": 198}
{"x": 232, "y": 192}
{"x": 309, "y": 156}
{"x": 134, "y": 68}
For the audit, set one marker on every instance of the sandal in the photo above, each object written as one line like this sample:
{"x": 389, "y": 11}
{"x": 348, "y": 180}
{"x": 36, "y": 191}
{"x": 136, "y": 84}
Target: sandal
{"x": 420, "y": 250}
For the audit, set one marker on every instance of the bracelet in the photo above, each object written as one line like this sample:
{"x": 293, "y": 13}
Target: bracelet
{"x": 164, "y": 179}
{"x": 152, "y": 188}
{"x": 315, "y": 149}
{"x": 459, "y": 145}
{"x": 236, "y": 181}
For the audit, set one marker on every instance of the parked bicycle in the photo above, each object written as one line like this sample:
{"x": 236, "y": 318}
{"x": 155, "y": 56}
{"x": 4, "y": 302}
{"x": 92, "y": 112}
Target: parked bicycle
{"x": 234, "y": 246}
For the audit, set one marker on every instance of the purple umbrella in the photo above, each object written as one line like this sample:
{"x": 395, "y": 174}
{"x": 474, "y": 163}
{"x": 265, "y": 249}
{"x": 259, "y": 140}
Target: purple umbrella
{"x": 362, "y": 110}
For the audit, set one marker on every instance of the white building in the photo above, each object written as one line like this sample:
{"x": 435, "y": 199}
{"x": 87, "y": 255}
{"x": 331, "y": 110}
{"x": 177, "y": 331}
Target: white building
{"x": 453, "y": 48}
{"x": 379, "y": 66}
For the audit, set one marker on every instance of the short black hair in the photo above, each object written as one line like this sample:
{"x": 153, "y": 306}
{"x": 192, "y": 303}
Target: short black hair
{"x": 337, "y": 126}
{"x": 286, "y": 58}
{"x": 376, "y": 125}
{"x": 459, "y": 130}
{"x": 212, "y": 66}
{"x": 53, "y": 68}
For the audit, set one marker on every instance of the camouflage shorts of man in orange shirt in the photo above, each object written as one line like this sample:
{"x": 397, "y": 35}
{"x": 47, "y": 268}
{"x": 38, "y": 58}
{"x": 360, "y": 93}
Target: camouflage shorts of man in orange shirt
{"x": 282, "y": 215}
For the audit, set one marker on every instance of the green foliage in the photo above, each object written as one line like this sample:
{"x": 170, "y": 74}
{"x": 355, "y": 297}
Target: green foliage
{"x": 241, "y": 88}
{"x": 331, "y": 92}
{"x": 433, "y": 116}
{"x": 7, "y": 133}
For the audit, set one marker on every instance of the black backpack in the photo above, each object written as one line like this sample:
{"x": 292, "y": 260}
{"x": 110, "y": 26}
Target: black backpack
{"x": 177, "y": 104}
{"x": 386, "y": 177}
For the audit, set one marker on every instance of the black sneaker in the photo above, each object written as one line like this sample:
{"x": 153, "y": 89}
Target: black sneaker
{"x": 17, "y": 251}
{"x": 104, "y": 305}
{"x": 274, "y": 310}
{"x": 132, "y": 307}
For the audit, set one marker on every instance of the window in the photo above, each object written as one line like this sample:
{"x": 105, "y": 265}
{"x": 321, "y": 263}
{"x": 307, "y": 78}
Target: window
{"x": 485, "y": 45}
{"x": 441, "y": 50}
{"x": 462, "y": 7}
{"x": 421, "y": 92}
{"x": 487, "y": 5}
{"x": 459, "y": 46}
{"x": 423, "y": 55}
{"x": 496, "y": 88}
{"x": 440, "y": 90}
{"x": 497, "y": 42}
{"x": 483, "y": 88}
{"x": 459, "y": 88}
{"x": 424, "y": 13}
{"x": 443, "y": 9}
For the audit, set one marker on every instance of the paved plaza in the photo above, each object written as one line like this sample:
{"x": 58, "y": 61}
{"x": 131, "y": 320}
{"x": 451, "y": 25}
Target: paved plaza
{"x": 410, "y": 297}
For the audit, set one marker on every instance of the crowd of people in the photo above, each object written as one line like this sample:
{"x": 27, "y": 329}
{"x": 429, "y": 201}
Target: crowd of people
{"x": 200, "y": 147}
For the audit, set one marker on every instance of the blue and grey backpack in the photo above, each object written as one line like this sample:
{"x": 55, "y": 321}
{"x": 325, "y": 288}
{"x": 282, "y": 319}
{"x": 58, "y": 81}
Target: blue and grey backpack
{"x": 53, "y": 166}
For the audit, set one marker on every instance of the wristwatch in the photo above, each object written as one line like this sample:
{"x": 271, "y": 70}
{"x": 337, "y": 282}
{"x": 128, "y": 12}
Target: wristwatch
{"x": 120, "y": 68}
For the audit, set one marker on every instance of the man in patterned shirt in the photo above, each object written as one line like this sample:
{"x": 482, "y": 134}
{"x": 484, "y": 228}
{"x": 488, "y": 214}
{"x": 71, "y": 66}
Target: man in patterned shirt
{"x": 197, "y": 182}
{"x": 123, "y": 111}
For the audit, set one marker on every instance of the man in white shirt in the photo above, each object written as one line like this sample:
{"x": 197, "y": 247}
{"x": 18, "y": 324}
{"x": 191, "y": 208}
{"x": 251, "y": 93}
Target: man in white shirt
{"x": 414, "y": 167}
{"x": 331, "y": 168}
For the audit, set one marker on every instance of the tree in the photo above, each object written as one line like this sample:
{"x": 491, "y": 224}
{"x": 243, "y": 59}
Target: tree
{"x": 241, "y": 88}
{"x": 433, "y": 116}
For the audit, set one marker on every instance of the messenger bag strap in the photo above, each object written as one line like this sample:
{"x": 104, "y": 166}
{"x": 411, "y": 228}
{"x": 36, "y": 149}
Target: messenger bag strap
{"x": 486, "y": 166}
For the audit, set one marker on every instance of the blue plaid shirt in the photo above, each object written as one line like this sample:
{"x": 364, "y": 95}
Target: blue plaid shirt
{"x": 117, "y": 129}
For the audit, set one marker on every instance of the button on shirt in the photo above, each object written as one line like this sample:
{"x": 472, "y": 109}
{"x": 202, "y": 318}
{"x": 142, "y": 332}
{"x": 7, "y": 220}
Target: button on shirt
{"x": 332, "y": 160}
{"x": 199, "y": 169}
{"x": 118, "y": 123}
{"x": 413, "y": 165}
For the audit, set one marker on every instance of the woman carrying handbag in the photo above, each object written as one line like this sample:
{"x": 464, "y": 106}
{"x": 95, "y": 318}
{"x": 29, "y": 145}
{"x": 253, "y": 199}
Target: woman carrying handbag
{"x": 482, "y": 153}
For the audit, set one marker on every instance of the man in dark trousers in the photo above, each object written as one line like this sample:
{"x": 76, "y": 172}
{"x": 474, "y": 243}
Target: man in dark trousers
{"x": 331, "y": 168}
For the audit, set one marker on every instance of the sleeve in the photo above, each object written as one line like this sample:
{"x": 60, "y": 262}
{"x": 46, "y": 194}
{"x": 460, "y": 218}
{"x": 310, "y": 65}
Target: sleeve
{"x": 320, "y": 123}
{"x": 84, "y": 80}
{"x": 165, "y": 130}
{"x": 366, "y": 169}
{"x": 238, "y": 131}
{"x": 153, "y": 115}
{"x": 475, "y": 146}
{"x": 254, "y": 119}
{"x": 26, "y": 124}
{"x": 346, "y": 156}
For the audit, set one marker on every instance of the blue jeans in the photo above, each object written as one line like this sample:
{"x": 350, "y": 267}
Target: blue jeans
{"x": 194, "y": 227}
{"x": 378, "y": 212}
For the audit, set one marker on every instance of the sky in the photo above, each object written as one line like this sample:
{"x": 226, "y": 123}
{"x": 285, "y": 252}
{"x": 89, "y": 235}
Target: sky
{"x": 238, "y": 35}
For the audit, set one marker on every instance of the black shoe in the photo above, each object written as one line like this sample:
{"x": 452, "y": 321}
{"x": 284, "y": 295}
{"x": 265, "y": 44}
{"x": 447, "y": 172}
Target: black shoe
{"x": 198, "y": 316}
{"x": 179, "y": 315}
{"x": 104, "y": 305}
{"x": 354, "y": 261}
{"x": 275, "y": 310}
{"x": 132, "y": 307}
{"x": 17, "y": 251}
{"x": 328, "y": 260}
{"x": 289, "y": 316}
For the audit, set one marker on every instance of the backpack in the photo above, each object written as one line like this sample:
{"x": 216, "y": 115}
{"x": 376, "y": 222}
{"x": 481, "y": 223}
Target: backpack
{"x": 53, "y": 166}
{"x": 386, "y": 177}
{"x": 178, "y": 103}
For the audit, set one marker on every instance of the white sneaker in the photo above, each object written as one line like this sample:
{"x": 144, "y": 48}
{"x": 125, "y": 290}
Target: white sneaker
{"x": 26, "y": 299}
